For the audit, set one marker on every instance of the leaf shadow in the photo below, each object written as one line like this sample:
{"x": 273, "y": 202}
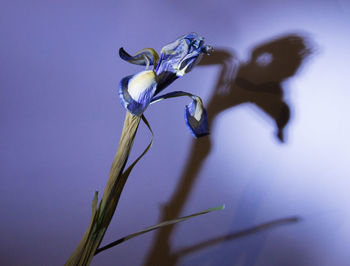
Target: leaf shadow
{"x": 232, "y": 236}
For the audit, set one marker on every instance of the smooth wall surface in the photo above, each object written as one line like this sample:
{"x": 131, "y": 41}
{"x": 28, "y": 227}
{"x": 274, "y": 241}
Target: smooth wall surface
{"x": 276, "y": 90}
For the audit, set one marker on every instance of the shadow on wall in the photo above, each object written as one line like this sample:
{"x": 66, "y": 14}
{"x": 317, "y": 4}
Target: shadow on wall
{"x": 259, "y": 82}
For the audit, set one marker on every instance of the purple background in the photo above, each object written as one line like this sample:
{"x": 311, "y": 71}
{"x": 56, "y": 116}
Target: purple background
{"x": 61, "y": 119}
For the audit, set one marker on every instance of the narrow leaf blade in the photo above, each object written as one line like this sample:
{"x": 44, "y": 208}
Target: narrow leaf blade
{"x": 154, "y": 227}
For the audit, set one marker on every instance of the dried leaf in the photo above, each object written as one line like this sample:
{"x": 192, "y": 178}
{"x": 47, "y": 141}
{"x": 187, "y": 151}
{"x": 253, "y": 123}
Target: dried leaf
{"x": 154, "y": 227}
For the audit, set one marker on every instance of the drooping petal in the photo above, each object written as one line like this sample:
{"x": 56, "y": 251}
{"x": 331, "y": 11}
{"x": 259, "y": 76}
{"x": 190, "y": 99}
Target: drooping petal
{"x": 136, "y": 91}
{"x": 196, "y": 118}
{"x": 195, "y": 114}
{"x": 145, "y": 57}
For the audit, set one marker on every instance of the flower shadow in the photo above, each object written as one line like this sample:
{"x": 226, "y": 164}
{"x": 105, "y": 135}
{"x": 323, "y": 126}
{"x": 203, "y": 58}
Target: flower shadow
{"x": 259, "y": 81}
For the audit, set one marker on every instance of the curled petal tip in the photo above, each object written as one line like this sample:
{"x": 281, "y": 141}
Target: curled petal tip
{"x": 208, "y": 49}
{"x": 123, "y": 54}
{"x": 145, "y": 57}
{"x": 196, "y": 118}
{"x": 198, "y": 128}
{"x": 195, "y": 115}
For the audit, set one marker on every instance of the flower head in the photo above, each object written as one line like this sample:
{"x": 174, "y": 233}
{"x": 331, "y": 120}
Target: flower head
{"x": 177, "y": 58}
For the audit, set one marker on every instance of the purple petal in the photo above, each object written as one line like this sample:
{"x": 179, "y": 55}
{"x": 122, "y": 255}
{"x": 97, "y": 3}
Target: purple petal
{"x": 136, "y": 91}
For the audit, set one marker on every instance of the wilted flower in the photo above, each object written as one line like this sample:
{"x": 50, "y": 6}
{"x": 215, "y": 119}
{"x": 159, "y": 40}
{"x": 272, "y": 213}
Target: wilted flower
{"x": 136, "y": 93}
{"x": 177, "y": 58}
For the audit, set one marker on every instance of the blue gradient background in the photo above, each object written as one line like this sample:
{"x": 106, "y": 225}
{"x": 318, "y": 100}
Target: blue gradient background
{"x": 61, "y": 119}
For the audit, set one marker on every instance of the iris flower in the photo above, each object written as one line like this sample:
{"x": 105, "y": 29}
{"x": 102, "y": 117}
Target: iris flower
{"x": 138, "y": 91}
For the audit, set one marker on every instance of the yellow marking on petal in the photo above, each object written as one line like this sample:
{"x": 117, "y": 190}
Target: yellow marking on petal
{"x": 140, "y": 83}
{"x": 146, "y": 56}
